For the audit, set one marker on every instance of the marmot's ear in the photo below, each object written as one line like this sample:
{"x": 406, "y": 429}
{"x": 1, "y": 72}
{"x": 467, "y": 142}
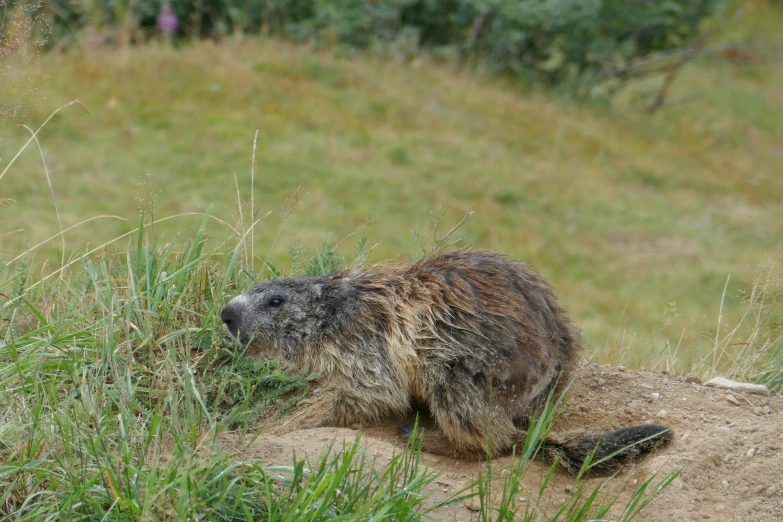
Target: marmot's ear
{"x": 317, "y": 291}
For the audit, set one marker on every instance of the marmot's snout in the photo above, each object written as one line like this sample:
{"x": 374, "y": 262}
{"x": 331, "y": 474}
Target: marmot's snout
{"x": 230, "y": 317}
{"x": 233, "y": 317}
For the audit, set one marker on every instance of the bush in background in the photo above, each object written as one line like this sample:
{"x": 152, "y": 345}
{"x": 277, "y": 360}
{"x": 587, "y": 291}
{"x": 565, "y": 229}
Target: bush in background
{"x": 553, "y": 40}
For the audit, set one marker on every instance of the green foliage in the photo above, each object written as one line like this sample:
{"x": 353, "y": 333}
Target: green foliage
{"x": 349, "y": 486}
{"x": 753, "y": 348}
{"x": 231, "y": 379}
{"x": 326, "y": 260}
{"x": 771, "y": 373}
{"x": 556, "y": 40}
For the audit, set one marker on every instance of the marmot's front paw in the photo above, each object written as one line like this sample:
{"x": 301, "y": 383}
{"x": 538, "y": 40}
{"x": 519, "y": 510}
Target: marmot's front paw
{"x": 325, "y": 422}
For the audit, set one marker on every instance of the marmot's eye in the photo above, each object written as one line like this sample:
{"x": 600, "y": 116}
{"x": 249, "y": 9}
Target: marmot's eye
{"x": 275, "y": 301}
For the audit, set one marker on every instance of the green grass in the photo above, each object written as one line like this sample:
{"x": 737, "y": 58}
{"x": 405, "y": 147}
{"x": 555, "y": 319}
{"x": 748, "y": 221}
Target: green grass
{"x": 624, "y": 212}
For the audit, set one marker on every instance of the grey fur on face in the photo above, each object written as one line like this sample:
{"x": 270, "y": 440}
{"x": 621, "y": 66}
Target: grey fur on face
{"x": 279, "y": 317}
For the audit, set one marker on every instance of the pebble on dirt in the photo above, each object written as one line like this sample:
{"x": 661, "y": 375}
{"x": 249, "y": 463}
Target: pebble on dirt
{"x": 728, "y": 384}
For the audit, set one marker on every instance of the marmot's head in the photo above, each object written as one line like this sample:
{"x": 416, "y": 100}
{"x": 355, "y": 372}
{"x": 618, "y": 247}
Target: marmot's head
{"x": 284, "y": 316}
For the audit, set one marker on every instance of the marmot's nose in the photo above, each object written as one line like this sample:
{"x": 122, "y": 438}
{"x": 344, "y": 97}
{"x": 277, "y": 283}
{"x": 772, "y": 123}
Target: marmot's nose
{"x": 229, "y": 315}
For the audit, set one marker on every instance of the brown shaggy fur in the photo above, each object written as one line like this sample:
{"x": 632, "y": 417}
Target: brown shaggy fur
{"x": 474, "y": 336}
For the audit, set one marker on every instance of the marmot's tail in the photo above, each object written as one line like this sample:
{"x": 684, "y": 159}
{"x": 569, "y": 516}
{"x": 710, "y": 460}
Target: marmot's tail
{"x": 609, "y": 448}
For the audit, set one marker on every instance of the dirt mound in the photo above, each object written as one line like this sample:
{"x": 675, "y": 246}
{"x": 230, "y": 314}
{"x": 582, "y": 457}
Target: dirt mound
{"x": 729, "y": 445}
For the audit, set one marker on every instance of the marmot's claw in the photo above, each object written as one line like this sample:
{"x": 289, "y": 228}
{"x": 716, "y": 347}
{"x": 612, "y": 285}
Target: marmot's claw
{"x": 405, "y": 431}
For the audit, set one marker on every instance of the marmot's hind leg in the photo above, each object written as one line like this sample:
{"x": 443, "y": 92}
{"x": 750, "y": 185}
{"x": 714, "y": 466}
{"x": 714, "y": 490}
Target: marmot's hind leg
{"x": 466, "y": 443}
{"x": 466, "y": 427}
{"x": 437, "y": 443}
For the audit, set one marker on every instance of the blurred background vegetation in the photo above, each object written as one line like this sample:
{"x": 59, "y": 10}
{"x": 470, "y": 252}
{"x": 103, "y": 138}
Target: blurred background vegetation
{"x": 630, "y": 150}
{"x": 551, "y": 40}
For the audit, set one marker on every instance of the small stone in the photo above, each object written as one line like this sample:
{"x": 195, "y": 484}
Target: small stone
{"x": 654, "y": 396}
{"x": 693, "y": 379}
{"x": 662, "y": 413}
{"x": 621, "y": 368}
{"x": 725, "y": 483}
{"x": 601, "y": 382}
{"x": 473, "y": 505}
{"x": 728, "y": 384}
{"x": 521, "y": 500}
{"x": 569, "y": 489}
{"x": 758, "y": 411}
{"x": 771, "y": 490}
{"x": 751, "y": 452}
{"x": 731, "y": 400}
{"x": 766, "y": 410}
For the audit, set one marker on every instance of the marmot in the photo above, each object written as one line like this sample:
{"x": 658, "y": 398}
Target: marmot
{"x": 470, "y": 334}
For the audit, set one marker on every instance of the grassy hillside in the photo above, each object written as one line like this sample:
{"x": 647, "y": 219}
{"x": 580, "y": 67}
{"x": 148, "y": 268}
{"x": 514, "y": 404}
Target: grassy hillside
{"x": 636, "y": 219}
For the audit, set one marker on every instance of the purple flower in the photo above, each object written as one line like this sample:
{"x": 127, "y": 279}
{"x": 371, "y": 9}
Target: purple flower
{"x": 167, "y": 20}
